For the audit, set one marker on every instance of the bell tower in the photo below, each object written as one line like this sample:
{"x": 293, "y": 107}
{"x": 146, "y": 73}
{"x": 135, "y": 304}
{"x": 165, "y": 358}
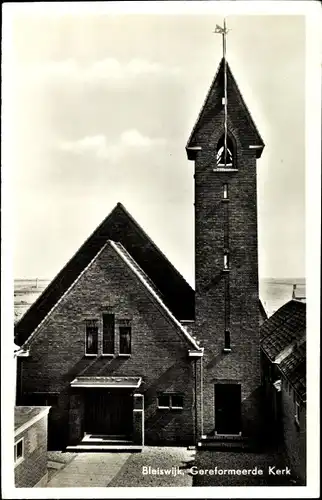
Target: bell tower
{"x": 224, "y": 146}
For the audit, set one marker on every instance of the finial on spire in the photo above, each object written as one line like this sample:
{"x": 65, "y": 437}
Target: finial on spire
{"x": 222, "y": 31}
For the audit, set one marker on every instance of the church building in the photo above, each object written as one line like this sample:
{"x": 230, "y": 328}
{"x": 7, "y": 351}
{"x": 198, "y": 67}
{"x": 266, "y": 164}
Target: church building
{"x": 122, "y": 349}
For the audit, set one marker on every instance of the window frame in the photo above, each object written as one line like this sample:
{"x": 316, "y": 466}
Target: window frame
{"x": 227, "y": 344}
{"x": 170, "y": 396}
{"x": 231, "y": 149}
{"x": 125, "y": 323}
{"x": 114, "y": 340}
{"x": 225, "y": 194}
{"x": 297, "y": 412}
{"x": 20, "y": 459}
{"x": 226, "y": 263}
{"x": 87, "y": 320}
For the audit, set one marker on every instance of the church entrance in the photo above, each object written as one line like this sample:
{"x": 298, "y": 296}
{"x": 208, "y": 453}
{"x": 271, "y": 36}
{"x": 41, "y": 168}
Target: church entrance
{"x": 108, "y": 412}
{"x": 227, "y": 408}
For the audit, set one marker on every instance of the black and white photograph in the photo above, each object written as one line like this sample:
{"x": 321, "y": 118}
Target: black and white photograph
{"x": 160, "y": 166}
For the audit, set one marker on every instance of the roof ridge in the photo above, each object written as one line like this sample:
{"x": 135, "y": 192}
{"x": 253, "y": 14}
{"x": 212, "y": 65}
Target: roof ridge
{"x": 123, "y": 255}
{"x": 148, "y": 279}
{"x": 120, "y": 205}
{"x": 204, "y": 102}
{"x": 35, "y": 330}
{"x": 282, "y": 322}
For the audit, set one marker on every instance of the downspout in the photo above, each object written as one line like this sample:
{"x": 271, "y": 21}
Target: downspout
{"x": 196, "y": 403}
{"x": 201, "y": 394}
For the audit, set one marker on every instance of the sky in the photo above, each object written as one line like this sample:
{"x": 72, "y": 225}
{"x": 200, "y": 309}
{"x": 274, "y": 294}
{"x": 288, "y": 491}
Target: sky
{"x": 101, "y": 108}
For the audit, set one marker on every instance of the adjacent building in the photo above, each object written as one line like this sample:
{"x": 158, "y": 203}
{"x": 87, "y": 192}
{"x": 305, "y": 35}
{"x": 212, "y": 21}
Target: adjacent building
{"x": 122, "y": 348}
{"x": 284, "y": 380}
{"x": 30, "y": 446}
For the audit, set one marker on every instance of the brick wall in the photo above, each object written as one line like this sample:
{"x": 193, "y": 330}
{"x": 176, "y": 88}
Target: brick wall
{"x": 159, "y": 354}
{"x": 242, "y": 364}
{"x": 33, "y": 468}
{"x": 294, "y": 433}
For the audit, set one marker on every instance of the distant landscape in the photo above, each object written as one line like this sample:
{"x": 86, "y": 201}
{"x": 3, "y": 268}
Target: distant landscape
{"x": 274, "y": 292}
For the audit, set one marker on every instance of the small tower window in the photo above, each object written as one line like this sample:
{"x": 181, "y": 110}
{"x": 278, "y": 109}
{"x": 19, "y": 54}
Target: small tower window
{"x": 226, "y": 261}
{"x": 225, "y": 191}
{"x": 227, "y": 339}
{"x": 225, "y": 156}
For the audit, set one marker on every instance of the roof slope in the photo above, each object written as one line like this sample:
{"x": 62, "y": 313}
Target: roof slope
{"x": 284, "y": 342}
{"x": 176, "y": 294}
{"x": 294, "y": 369}
{"x": 26, "y": 414}
{"x": 119, "y": 226}
{"x": 213, "y": 105}
{"x": 152, "y": 290}
{"x": 285, "y": 327}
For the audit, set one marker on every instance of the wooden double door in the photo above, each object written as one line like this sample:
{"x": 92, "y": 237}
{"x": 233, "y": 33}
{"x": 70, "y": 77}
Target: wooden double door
{"x": 108, "y": 412}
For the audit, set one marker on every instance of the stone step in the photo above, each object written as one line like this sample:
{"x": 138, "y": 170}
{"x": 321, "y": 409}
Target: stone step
{"x": 55, "y": 465}
{"x": 224, "y": 437}
{"x": 104, "y": 447}
{"x": 216, "y": 444}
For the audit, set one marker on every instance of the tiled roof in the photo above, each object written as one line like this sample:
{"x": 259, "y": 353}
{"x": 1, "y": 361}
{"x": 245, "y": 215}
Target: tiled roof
{"x": 120, "y": 226}
{"x": 283, "y": 328}
{"x": 294, "y": 369}
{"x": 177, "y": 295}
{"x": 283, "y": 341}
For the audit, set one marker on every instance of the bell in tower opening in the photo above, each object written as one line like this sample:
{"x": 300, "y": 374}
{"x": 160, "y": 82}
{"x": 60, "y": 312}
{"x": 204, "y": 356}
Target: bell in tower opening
{"x": 224, "y": 159}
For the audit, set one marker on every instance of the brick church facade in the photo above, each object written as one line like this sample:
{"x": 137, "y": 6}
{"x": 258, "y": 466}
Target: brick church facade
{"x": 122, "y": 348}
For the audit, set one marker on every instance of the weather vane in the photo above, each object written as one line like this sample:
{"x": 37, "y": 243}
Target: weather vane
{"x": 223, "y": 31}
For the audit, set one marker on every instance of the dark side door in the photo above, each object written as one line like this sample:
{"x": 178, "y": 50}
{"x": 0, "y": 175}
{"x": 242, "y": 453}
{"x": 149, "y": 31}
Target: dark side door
{"x": 227, "y": 408}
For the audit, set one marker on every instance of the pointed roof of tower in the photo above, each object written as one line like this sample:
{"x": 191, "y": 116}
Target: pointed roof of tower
{"x": 213, "y": 105}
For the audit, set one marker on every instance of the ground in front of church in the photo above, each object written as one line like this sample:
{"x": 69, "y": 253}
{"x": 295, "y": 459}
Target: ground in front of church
{"x": 171, "y": 466}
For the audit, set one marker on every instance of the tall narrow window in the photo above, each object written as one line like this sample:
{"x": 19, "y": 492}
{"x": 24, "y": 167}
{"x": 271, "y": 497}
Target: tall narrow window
{"x": 19, "y": 451}
{"x": 108, "y": 333}
{"x": 225, "y": 156}
{"x": 225, "y": 191}
{"x": 227, "y": 339}
{"x": 125, "y": 337}
{"x": 92, "y": 337}
{"x": 297, "y": 412}
{"x": 226, "y": 261}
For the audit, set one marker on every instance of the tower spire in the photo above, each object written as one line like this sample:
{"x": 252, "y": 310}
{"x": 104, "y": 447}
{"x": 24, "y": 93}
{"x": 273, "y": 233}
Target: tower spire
{"x": 223, "y": 31}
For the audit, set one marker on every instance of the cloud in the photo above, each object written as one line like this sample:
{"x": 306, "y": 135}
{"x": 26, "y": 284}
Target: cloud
{"x": 106, "y": 70}
{"x": 98, "y": 145}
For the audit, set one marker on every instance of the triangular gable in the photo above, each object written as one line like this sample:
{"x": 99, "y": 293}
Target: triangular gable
{"x": 213, "y": 105}
{"x": 143, "y": 278}
{"x": 118, "y": 226}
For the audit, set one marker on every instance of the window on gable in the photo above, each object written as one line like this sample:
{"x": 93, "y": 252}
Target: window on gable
{"x": 172, "y": 401}
{"x": 125, "y": 332}
{"x": 226, "y": 261}
{"x": 92, "y": 337}
{"x": 225, "y": 153}
{"x": 19, "y": 451}
{"x": 225, "y": 191}
{"x": 108, "y": 333}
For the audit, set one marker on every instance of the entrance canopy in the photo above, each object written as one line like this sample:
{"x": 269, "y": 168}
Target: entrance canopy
{"x": 112, "y": 382}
